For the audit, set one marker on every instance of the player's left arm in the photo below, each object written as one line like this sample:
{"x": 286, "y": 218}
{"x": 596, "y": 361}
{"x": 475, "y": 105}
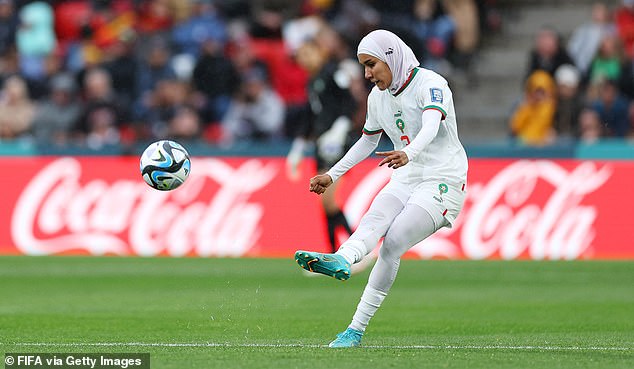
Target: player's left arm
{"x": 434, "y": 103}
{"x": 431, "y": 123}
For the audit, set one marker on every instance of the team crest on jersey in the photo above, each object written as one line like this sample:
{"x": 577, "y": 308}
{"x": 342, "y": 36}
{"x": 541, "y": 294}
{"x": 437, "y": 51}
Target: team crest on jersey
{"x": 436, "y": 95}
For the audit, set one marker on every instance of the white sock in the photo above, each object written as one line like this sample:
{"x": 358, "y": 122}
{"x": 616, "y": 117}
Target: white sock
{"x": 372, "y": 227}
{"x": 352, "y": 250}
{"x": 370, "y": 301}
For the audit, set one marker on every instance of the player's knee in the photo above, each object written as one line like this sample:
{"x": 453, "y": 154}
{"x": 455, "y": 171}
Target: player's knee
{"x": 393, "y": 247}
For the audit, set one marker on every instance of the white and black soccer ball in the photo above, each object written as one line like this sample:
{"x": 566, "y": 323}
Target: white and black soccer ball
{"x": 165, "y": 165}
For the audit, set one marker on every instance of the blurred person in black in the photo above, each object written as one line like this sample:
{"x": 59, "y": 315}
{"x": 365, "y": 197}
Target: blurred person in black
{"x": 102, "y": 113}
{"x": 548, "y": 53}
{"x": 332, "y": 106}
{"x": 123, "y": 67}
{"x": 215, "y": 80}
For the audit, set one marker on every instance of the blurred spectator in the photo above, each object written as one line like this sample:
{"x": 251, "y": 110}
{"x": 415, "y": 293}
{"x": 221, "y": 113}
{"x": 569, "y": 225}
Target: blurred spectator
{"x": 243, "y": 58}
{"x": 256, "y": 113}
{"x": 214, "y": 77}
{"x": 123, "y": 68}
{"x": 153, "y": 67}
{"x": 435, "y": 29}
{"x": 112, "y": 21}
{"x": 607, "y": 63}
{"x": 16, "y": 108}
{"x": 586, "y": 39}
{"x": 467, "y": 34}
{"x": 591, "y": 129}
{"x": 205, "y": 23}
{"x": 154, "y": 16}
{"x": 53, "y": 65}
{"x": 569, "y": 101}
{"x": 71, "y": 20}
{"x": 93, "y": 29}
{"x": 355, "y": 18}
{"x": 532, "y": 122}
{"x": 35, "y": 38}
{"x": 185, "y": 125}
{"x": 612, "y": 108}
{"x": 102, "y": 114}
{"x": 547, "y": 54}
{"x": 180, "y": 10}
{"x": 489, "y": 15}
{"x": 624, "y": 19}
{"x": 268, "y": 16}
{"x": 55, "y": 116}
{"x": 161, "y": 106}
{"x": 83, "y": 54}
{"x": 8, "y": 26}
{"x": 286, "y": 77}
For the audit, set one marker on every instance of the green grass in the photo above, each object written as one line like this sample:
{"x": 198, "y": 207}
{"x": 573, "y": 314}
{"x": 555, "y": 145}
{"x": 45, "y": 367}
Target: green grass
{"x": 462, "y": 314}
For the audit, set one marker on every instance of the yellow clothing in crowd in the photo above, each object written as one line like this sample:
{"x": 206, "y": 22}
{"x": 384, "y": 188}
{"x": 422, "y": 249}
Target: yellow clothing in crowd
{"x": 533, "y": 120}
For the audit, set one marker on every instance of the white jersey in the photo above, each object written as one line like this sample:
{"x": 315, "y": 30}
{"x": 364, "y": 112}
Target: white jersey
{"x": 400, "y": 117}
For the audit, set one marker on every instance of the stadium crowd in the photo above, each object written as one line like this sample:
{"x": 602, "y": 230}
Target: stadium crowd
{"x": 581, "y": 87}
{"x": 96, "y": 73}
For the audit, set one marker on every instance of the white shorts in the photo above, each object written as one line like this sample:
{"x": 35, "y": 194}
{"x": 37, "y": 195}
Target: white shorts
{"x": 442, "y": 200}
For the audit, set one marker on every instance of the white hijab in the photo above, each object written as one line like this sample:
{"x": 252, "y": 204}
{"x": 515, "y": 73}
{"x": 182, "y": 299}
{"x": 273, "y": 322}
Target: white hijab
{"x": 389, "y": 48}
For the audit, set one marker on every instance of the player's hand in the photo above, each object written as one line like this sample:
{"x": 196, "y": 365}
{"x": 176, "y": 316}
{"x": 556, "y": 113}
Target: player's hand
{"x": 393, "y": 159}
{"x": 319, "y": 183}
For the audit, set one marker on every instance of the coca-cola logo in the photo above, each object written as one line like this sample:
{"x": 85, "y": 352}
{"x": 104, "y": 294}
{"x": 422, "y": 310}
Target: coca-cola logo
{"x": 506, "y": 217}
{"x": 525, "y": 209}
{"x": 57, "y": 212}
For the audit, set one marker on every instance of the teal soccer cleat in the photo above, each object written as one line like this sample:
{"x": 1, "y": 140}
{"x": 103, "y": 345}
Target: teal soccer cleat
{"x": 348, "y": 338}
{"x": 332, "y": 265}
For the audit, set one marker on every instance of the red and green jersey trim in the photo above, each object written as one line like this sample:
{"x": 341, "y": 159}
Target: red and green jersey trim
{"x": 368, "y": 132}
{"x": 409, "y": 80}
{"x": 436, "y": 107}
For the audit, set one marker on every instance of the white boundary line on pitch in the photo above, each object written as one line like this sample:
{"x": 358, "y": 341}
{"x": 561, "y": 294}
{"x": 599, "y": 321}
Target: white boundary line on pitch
{"x": 300, "y": 345}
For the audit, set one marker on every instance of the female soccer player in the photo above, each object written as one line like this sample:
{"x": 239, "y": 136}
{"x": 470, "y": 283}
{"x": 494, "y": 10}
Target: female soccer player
{"x": 414, "y": 107}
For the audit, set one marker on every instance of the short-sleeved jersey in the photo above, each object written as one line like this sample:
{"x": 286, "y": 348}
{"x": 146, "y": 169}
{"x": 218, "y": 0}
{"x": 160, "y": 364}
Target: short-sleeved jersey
{"x": 400, "y": 117}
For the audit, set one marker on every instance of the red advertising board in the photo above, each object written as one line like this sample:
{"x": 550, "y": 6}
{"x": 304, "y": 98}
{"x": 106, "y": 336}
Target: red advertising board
{"x": 515, "y": 209}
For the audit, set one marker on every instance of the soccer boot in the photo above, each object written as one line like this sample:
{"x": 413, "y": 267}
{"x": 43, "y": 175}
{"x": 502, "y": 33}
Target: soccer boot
{"x": 332, "y": 265}
{"x": 348, "y": 338}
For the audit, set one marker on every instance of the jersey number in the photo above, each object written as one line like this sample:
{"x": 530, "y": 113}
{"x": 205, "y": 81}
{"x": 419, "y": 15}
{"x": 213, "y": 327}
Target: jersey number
{"x": 405, "y": 139}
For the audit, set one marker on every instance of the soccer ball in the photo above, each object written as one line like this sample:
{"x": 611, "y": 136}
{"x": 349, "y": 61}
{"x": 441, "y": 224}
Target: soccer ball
{"x": 165, "y": 165}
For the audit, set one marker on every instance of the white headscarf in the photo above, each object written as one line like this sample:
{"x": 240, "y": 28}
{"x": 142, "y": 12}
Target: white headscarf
{"x": 389, "y": 48}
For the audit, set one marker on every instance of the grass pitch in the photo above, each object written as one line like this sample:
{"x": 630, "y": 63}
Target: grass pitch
{"x": 264, "y": 313}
